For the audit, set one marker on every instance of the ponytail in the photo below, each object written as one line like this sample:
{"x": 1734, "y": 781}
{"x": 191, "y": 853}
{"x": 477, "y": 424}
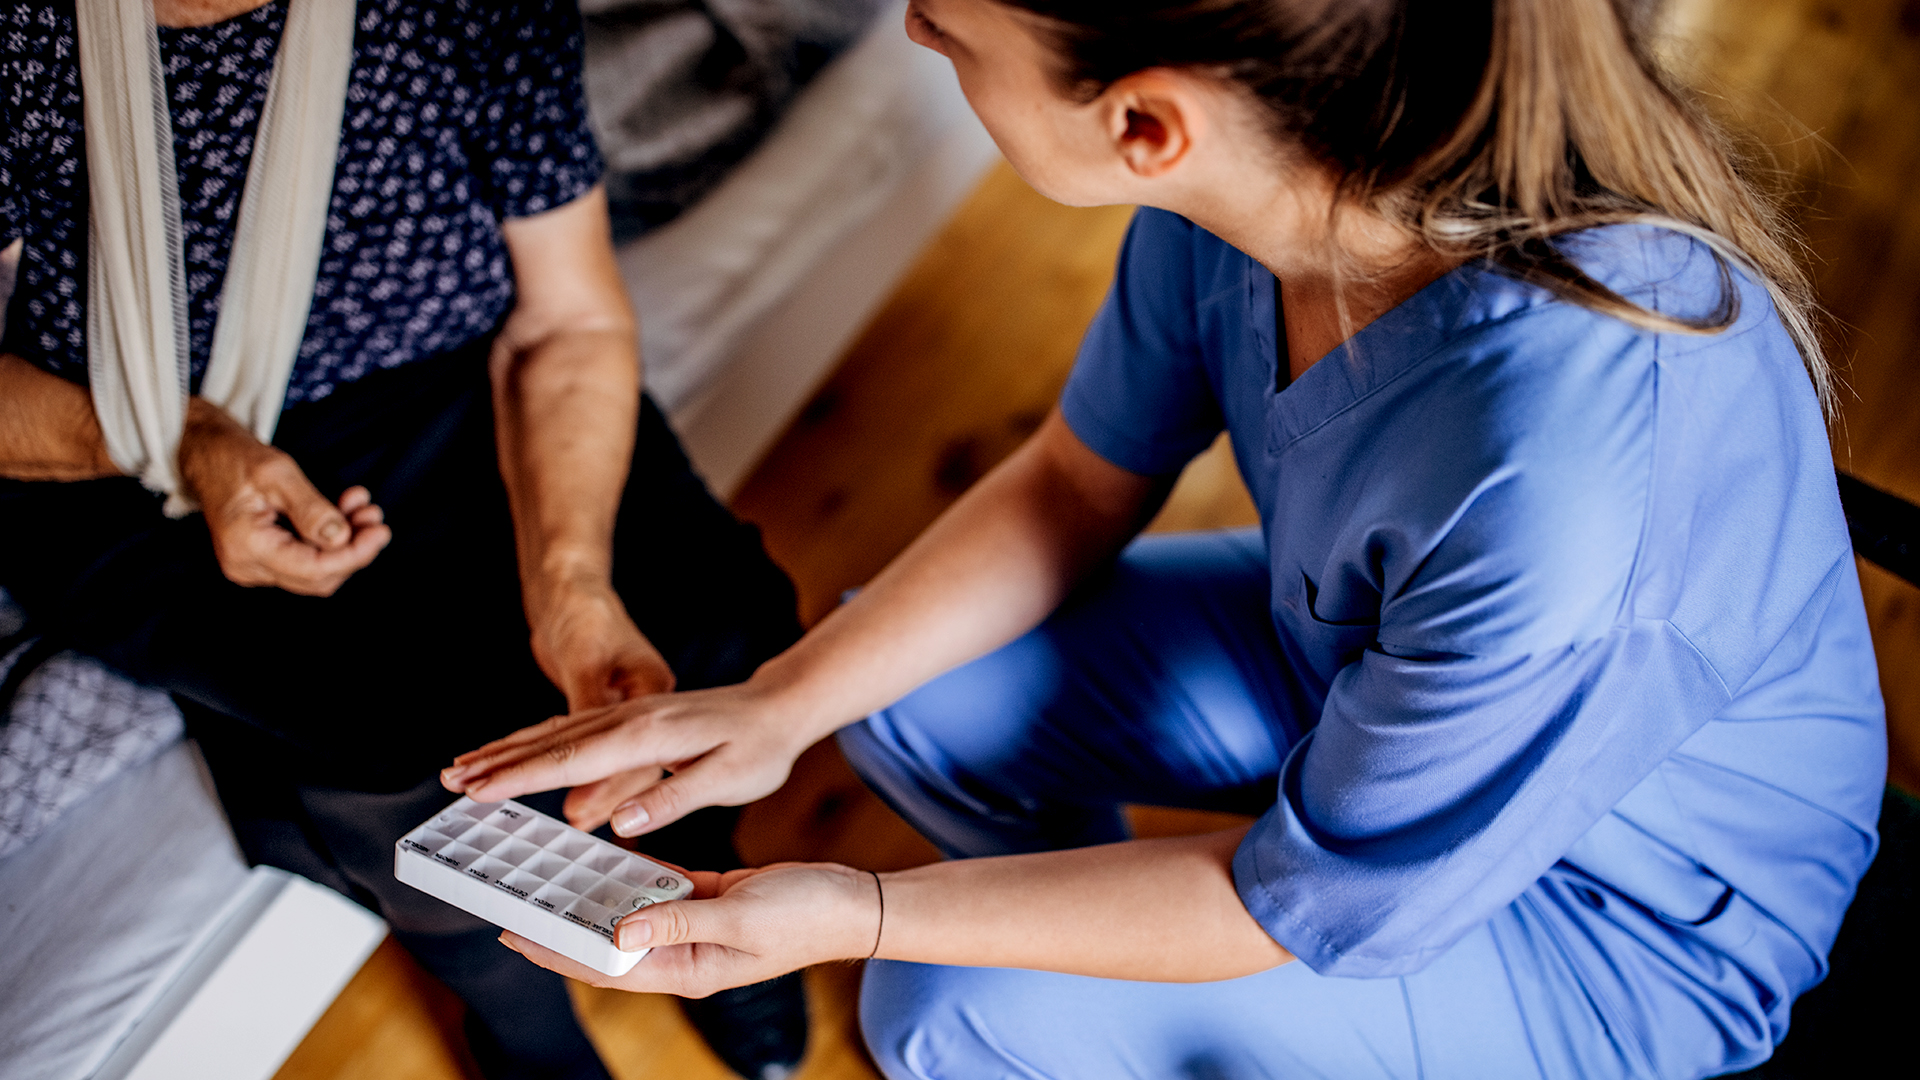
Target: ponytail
{"x": 1484, "y": 127}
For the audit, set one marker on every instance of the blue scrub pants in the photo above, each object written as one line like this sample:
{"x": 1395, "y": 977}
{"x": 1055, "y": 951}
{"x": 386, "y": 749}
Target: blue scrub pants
{"x": 1157, "y": 685}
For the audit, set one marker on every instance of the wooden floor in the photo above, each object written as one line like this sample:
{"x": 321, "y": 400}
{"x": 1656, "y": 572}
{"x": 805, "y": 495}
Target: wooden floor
{"x": 971, "y": 351}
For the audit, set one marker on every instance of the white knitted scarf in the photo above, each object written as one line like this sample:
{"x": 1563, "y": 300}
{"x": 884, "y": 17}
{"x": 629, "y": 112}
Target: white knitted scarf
{"x": 137, "y": 355}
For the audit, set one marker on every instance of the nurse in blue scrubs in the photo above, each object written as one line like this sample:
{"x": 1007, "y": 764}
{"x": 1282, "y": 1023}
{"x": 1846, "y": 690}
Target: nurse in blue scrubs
{"x": 1546, "y": 676}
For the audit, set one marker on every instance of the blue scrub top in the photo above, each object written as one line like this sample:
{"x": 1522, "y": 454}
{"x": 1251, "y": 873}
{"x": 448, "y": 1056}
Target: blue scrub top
{"x": 1564, "y": 605}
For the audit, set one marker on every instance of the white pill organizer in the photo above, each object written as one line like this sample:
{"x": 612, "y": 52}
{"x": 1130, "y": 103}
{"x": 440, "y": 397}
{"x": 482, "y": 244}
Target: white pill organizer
{"x": 536, "y": 876}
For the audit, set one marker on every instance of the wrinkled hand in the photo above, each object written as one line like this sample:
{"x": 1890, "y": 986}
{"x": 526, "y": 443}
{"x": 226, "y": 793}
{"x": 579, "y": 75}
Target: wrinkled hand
{"x": 584, "y": 640}
{"x": 726, "y": 747}
{"x": 743, "y": 927}
{"x": 270, "y": 526}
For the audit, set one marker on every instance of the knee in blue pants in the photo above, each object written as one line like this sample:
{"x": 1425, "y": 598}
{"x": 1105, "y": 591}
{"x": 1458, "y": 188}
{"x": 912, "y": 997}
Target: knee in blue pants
{"x": 1159, "y": 683}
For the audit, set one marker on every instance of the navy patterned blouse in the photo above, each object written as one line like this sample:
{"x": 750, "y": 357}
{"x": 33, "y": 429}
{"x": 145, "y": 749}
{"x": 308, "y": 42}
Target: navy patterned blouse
{"x": 459, "y": 114}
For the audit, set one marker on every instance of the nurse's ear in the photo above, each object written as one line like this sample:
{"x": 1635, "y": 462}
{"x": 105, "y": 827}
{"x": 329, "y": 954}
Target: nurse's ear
{"x": 1154, "y": 119}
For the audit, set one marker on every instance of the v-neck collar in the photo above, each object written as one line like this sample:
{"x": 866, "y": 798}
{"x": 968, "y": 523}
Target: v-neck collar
{"x": 1470, "y": 295}
{"x": 1633, "y": 260}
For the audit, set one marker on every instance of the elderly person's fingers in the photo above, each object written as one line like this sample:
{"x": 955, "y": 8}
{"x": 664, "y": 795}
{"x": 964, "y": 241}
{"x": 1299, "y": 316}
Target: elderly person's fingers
{"x": 247, "y": 489}
{"x": 299, "y": 568}
{"x": 294, "y": 558}
{"x": 639, "y": 670}
{"x": 587, "y": 644}
{"x": 287, "y": 489}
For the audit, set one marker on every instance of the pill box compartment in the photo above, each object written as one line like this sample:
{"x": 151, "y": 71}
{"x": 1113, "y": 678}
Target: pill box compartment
{"x": 536, "y": 876}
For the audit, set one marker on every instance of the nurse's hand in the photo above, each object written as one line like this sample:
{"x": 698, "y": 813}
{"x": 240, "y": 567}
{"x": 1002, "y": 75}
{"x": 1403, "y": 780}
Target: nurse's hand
{"x": 270, "y": 526}
{"x": 744, "y": 927}
{"x": 725, "y": 747}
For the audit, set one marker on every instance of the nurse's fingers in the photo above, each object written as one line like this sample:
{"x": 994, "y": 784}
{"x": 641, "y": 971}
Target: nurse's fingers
{"x": 553, "y": 961}
{"x": 563, "y": 763}
{"x": 729, "y": 776}
{"x": 583, "y": 720}
{"x": 589, "y": 806}
{"x": 688, "y": 971}
{"x": 474, "y": 766}
{"x": 680, "y": 922}
{"x": 567, "y": 759}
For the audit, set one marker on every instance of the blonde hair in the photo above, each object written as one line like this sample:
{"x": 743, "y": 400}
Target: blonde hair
{"x": 1484, "y": 127}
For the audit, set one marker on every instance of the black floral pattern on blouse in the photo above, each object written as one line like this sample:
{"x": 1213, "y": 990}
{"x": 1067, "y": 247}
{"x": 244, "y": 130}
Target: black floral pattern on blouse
{"x": 459, "y": 115}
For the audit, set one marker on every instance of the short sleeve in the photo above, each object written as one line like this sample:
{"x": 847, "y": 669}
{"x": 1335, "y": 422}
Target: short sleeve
{"x": 1434, "y": 791}
{"x": 1139, "y": 395}
{"x": 537, "y": 148}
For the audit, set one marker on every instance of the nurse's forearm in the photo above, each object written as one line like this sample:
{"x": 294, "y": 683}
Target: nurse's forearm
{"x": 1160, "y": 910}
{"x": 47, "y": 427}
{"x": 991, "y": 568}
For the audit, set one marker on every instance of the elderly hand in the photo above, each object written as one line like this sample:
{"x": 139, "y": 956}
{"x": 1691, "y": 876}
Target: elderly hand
{"x": 270, "y": 525}
{"x": 585, "y": 642}
{"x": 743, "y": 927}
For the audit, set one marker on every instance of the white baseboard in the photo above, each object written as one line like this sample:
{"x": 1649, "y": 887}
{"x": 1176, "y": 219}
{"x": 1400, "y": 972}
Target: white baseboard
{"x": 256, "y": 987}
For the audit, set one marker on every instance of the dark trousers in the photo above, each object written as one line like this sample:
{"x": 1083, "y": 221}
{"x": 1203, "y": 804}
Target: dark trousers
{"x": 326, "y": 720}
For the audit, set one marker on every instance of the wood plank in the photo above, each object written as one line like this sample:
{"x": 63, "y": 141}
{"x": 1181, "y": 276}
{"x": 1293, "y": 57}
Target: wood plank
{"x": 958, "y": 367}
{"x": 645, "y": 1036}
{"x": 1893, "y": 608}
{"x": 392, "y": 1022}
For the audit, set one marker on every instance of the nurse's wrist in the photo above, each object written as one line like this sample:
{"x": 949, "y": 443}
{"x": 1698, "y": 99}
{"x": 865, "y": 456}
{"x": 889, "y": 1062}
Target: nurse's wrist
{"x": 854, "y": 920}
{"x": 804, "y": 703}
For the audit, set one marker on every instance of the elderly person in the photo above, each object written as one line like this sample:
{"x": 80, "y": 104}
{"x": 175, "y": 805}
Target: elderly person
{"x": 468, "y": 516}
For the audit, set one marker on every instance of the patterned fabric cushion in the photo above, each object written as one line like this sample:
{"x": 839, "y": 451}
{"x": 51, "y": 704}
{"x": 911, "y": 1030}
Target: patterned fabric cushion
{"x": 74, "y": 725}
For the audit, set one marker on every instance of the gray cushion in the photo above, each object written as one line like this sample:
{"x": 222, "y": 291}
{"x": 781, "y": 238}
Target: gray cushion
{"x": 74, "y": 725}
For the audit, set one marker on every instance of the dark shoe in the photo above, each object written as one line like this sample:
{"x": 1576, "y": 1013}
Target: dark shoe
{"x": 760, "y": 1031}
{"x": 496, "y": 1063}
